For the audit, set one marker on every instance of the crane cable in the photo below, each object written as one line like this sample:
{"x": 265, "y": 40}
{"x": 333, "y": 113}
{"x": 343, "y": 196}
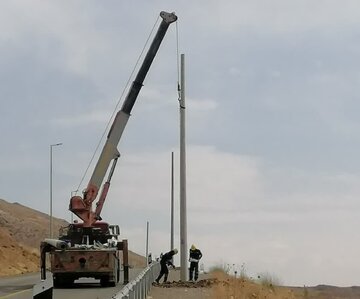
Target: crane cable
{"x": 118, "y": 103}
{"x": 179, "y": 87}
{"x": 178, "y": 64}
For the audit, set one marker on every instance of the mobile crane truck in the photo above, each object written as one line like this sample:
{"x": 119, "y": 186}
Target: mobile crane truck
{"x": 91, "y": 248}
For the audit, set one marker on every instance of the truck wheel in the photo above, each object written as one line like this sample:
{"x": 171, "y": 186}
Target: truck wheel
{"x": 60, "y": 282}
{"x": 104, "y": 281}
{"x": 57, "y": 283}
{"x": 118, "y": 272}
{"x": 68, "y": 282}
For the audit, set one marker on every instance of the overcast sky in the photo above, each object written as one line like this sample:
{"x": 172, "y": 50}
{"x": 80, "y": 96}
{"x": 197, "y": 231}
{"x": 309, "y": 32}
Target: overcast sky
{"x": 272, "y": 125}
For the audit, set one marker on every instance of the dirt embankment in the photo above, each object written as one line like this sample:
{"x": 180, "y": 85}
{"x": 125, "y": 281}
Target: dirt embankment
{"x": 218, "y": 285}
{"x": 16, "y": 259}
{"x": 21, "y": 231}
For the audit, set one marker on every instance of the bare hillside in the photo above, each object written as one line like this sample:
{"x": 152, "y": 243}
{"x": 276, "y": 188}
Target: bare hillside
{"x": 21, "y": 231}
{"x": 16, "y": 259}
{"x": 26, "y": 226}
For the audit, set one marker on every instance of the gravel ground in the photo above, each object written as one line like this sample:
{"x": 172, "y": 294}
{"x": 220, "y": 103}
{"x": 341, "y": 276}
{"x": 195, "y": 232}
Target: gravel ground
{"x": 175, "y": 290}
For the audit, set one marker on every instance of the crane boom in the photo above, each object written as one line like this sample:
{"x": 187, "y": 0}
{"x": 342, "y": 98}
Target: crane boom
{"x": 82, "y": 207}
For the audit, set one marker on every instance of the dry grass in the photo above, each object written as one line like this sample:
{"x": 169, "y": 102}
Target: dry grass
{"x": 230, "y": 287}
{"x": 268, "y": 280}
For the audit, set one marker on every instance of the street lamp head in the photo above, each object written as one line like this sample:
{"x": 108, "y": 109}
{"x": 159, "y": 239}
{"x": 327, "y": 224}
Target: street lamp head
{"x": 56, "y": 144}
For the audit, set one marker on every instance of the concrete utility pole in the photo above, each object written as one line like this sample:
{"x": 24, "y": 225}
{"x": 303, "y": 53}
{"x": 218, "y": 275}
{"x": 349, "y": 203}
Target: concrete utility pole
{"x": 172, "y": 203}
{"x": 183, "y": 222}
{"x": 147, "y": 243}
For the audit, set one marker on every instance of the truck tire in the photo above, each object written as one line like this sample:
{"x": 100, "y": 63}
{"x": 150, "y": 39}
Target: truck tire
{"x": 60, "y": 282}
{"x": 104, "y": 281}
{"x": 68, "y": 282}
{"x": 118, "y": 272}
{"x": 57, "y": 282}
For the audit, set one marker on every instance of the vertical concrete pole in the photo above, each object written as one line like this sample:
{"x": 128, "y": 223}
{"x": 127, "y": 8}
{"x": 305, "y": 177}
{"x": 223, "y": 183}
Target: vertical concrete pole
{"x": 172, "y": 204}
{"x": 147, "y": 244}
{"x": 183, "y": 222}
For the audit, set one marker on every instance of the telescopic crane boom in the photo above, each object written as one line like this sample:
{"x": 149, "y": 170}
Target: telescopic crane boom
{"x": 82, "y": 206}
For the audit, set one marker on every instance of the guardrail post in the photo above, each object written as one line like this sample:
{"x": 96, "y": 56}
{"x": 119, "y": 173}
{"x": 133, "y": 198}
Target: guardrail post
{"x": 138, "y": 293}
{"x": 146, "y": 284}
{"x": 132, "y": 292}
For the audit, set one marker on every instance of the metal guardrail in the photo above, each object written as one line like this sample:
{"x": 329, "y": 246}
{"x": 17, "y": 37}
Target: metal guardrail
{"x": 139, "y": 288}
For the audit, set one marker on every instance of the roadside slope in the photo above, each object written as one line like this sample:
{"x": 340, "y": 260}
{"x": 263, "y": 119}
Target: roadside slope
{"x": 21, "y": 231}
{"x": 217, "y": 285}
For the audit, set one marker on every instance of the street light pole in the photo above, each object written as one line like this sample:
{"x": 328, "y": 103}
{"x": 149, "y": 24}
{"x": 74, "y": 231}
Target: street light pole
{"x": 51, "y": 220}
{"x": 147, "y": 243}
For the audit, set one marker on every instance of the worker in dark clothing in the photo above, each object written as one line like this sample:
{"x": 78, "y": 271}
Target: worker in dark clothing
{"x": 194, "y": 258}
{"x": 166, "y": 259}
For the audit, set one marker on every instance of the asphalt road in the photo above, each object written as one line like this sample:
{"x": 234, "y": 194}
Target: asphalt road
{"x": 20, "y": 287}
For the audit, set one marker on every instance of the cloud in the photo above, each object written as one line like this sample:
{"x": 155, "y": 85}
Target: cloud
{"x": 88, "y": 118}
{"x": 73, "y": 34}
{"x": 271, "y": 119}
{"x": 206, "y": 105}
{"x": 239, "y": 203}
{"x": 276, "y": 16}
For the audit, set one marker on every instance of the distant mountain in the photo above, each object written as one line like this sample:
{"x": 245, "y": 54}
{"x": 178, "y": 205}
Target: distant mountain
{"x": 327, "y": 292}
{"x": 21, "y": 231}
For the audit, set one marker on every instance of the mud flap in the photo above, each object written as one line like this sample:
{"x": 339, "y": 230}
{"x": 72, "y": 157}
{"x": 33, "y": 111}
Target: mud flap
{"x": 43, "y": 289}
